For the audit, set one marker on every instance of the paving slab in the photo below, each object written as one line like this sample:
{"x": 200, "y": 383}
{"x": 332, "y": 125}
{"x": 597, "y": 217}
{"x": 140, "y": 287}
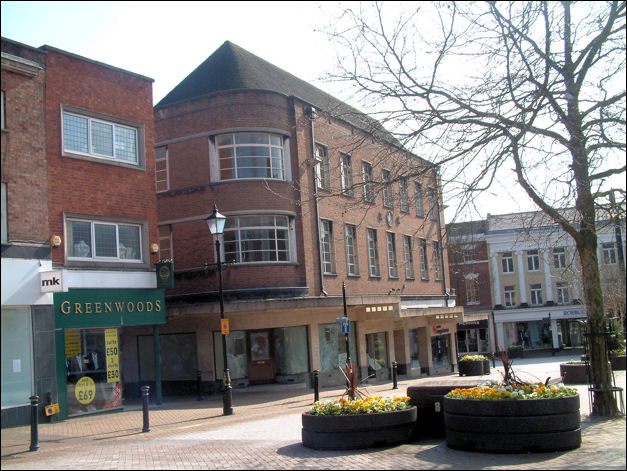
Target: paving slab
{"x": 264, "y": 433}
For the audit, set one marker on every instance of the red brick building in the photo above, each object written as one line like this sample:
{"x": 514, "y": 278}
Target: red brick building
{"x": 299, "y": 176}
{"x": 470, "y": 277}
{"x": 80, "y": 213}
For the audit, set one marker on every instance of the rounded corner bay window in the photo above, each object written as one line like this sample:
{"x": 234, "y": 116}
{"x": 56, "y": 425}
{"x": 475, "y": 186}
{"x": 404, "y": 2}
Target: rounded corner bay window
{"x": 257, "y": 239}
{"x": 250, "y": 155}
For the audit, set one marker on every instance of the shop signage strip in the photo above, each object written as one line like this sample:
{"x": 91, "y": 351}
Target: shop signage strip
{"x": 84, "y": 308}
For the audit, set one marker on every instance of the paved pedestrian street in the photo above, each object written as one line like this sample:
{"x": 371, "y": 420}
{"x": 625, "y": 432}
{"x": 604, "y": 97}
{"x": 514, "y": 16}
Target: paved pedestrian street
{"x": 264, "y": 433}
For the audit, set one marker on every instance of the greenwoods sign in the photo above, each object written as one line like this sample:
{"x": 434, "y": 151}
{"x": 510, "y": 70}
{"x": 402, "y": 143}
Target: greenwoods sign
{"x": 83, "y": 308}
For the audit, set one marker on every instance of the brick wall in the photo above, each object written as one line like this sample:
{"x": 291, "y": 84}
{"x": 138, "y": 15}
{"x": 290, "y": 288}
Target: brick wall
{"x": 97, "y": 187}
{"x": 185, "y": 127}
{"x": 24, "y": 169}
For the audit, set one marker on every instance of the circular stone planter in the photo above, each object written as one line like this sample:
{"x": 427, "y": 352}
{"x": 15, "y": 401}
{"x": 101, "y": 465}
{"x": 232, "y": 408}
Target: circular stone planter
{"x": 513, "y": 426}
{"x": 574, "y": 373}
{"x": 473, "y": 368}
{"x": 346, "y": 432}
{"x": 618, "y": 362}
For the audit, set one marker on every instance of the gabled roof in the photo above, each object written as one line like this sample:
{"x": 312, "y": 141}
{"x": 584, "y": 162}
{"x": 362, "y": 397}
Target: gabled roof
{"x": 231, "y": 67}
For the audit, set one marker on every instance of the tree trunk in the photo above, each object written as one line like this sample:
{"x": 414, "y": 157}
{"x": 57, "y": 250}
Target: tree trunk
{"x": 604, "y": 403}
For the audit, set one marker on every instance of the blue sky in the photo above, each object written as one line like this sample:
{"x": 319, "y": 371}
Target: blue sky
{"x": 167, "y": 40}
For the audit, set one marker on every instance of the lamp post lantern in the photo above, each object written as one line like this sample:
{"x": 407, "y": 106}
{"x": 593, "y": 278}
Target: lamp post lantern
{"x": 216, "y": 222}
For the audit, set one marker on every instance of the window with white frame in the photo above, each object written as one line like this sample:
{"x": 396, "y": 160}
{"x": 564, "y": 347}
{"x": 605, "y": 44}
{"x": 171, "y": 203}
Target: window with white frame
{"x": 328, "y": 247}
{"x": 510, "y": 296}
{"x": 257, "y": 239}
{"x": 161, "y": 169}
{"x": 5, "y": 234}
{"x": 437, "y": 260}
{"x": 165, "y": 242}
{"x": 352, "y": 259}
{"x": 98, "y": 138}
{"x": 559, "y": 258}
{"x": 367, "y": 177}
{"x": 561, "y": 290}
{"x": 2, "y": 111}
{"x": 408, "y": 253}
{"x": 392, "y": 261}
{"x": 388, "y": 190}
{"x": 472, "y": 288}
{"x": 323, "y": 173}
{"x": 535, "y": 294}
{"x": 373, "y": 253}
{"x": 418, "y": 199}
{"x": 103, "y": 241}
{"x": 533, "y": 260}
{"x": 250, "y": 155}
{"x": 346, "y": 174}
{"x": 403, "y": 191}
{"x": 432, "y": 196}
{"x": 424, "y": 265}
{"x": 507, "y": 262}
{"x": 468, "y": 254}
{"x": 609, "y": 253}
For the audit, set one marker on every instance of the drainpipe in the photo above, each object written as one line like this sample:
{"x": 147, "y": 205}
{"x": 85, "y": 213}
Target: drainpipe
{"x": 311, "y": 113}
{"x": 437, "y": 196}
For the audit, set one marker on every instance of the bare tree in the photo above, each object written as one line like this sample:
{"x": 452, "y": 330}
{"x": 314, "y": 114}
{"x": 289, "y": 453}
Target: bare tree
{"x": 481, "y": 88}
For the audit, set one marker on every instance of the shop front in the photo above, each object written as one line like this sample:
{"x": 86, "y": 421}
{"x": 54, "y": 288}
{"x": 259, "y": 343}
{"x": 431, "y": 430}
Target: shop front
{"x": 473, "y": 337}
{"x": 549, "y": 328}
{"x": 88, "y": 326}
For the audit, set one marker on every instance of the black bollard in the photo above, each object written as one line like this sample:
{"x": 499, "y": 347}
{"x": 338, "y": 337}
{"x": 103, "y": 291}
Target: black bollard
{"x": 394, "y": 375}
{"x": 315, "y": 385}
{"x": 198, "y": 385}
{"x": 145, "y": 394}
{"x": 34, "y": 432}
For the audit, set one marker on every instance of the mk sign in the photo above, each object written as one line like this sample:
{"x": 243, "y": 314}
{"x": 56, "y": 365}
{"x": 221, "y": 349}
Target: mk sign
{"x": 51, "y": 281}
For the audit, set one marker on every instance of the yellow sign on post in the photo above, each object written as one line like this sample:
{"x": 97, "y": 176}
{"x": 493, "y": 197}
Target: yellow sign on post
{"x": 52, "y": 409}
{"x": 224, "y": 323}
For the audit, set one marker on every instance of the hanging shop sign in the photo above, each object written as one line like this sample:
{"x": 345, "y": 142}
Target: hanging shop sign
{"x": 84, "y": 308}
{"x": 165, "y": 274}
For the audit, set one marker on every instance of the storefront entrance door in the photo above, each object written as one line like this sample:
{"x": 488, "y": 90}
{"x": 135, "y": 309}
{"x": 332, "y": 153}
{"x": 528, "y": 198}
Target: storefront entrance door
{"x": 260, "y": 357}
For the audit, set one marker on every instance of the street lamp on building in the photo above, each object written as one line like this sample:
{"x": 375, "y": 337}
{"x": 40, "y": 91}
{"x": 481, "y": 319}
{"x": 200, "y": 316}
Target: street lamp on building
{"x": 216, "y": 222}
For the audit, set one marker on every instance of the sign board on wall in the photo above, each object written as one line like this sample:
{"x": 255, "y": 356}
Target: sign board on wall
{"x": 51, "y": 281}
{"x": 84, "y": 308}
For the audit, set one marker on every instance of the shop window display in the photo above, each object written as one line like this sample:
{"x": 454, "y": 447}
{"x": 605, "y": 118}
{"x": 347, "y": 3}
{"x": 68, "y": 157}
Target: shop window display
{"x": 92, "y": 359}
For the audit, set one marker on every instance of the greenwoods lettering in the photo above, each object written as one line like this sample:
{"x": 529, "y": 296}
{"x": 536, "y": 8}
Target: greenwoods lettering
{"x": 68, "y": 307}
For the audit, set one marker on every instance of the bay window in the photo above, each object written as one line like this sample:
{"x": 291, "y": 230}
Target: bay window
{"x": 250, "y": 155}
{"x": 257, "y": 239}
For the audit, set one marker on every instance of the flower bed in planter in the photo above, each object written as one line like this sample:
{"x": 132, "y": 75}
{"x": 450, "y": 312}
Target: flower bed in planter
{"x": 345, "y": 425}
{"x": 506, "y": 419}
{"x": 473, "y": 365}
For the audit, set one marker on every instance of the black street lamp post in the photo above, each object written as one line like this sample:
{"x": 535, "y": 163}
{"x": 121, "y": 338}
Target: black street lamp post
{"x": 216, "y": 222}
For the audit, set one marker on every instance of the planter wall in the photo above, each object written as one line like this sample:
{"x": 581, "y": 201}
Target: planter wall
{"x": 473, "y": 368}
{"x": 346, "y": 432}
{"x": 513, "y": 426}
{"x": 618, "y": 362}
{"x": 574, "y": 374}
{"x": 515, "y": 353}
